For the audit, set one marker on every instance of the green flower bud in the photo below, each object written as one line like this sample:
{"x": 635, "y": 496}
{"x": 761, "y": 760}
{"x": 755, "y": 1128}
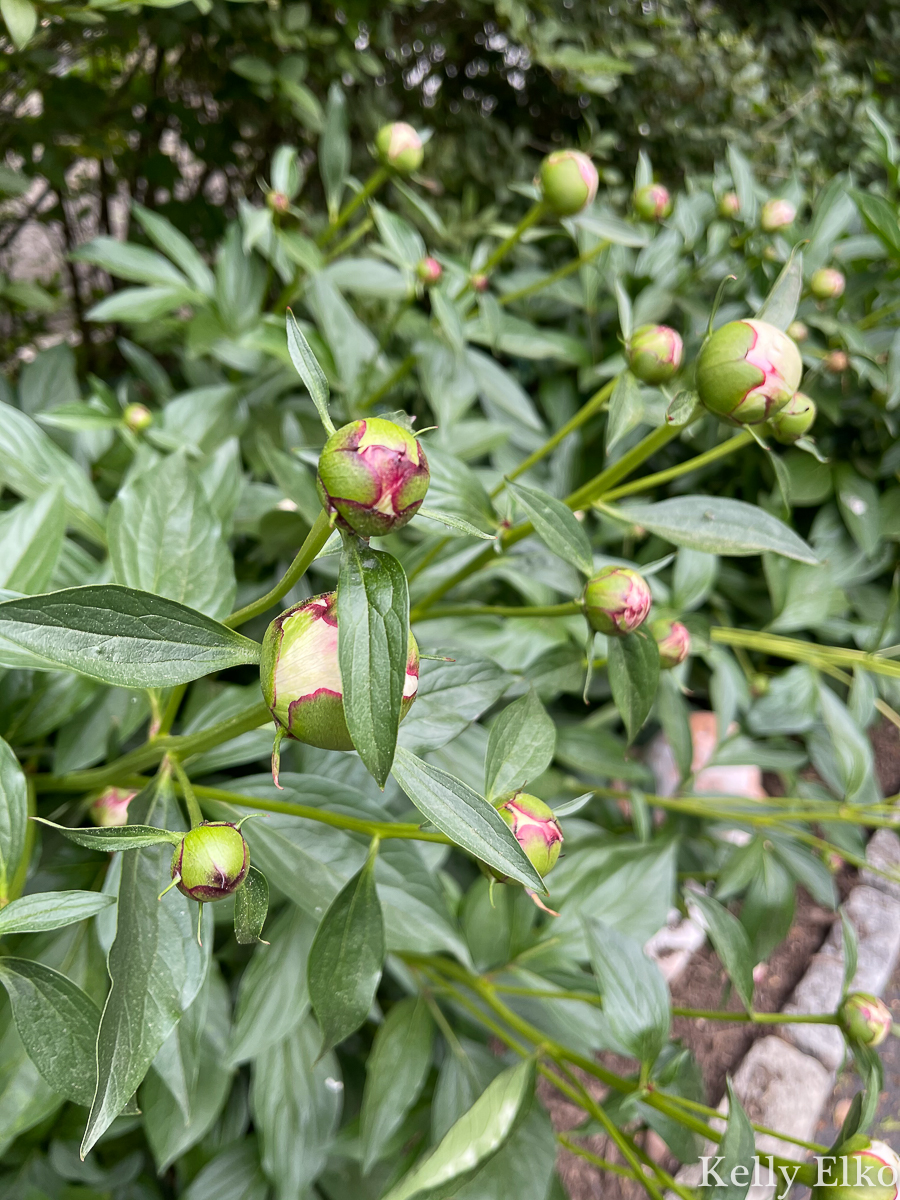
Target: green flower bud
{"x": 747, "y": 371}
{"x": 535, "y": 828}
{"x": 836, "y": 361}
{"x": 652, "y": 202}
{"x": 374, "y": 475}
{"x": 794, "y": 420}
{"x": 480, "y": 282}
{"x": 776, "y": 214}
{"x": 111, "y": 807}
{"x": 866, "y": 1019}
{"x": 872, "y": 1173}
{"x": 827, "y": 283}
{"x": 400, "y": 147}
{"x": 729, "y": 205}
{"x": 568, "y": 181}
{"x": 616, "y": 601}
{"x": 137, "y": 417}
{"x": 429, "y": 271}
{"x": 673, "y": 641}
{"x": 798, "y": 331}
{"x": 301, "y": 677}
{"x": 211, "y": 861}
{"x": 278, "y": 202}
{"x": 655, "y": 353}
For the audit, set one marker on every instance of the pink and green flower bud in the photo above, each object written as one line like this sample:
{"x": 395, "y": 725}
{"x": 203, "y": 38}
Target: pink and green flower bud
{"x": 278, "y": 202}
{"x": 211, "y": 861}
{"x": 429, "y": 271}
{"x": 747, "y": 371}
{"x": 373, "y": 475}
{"x": 535, "y": 829}
{"x": 836, "y": 361}
{"x": 866, "y": 1019}
{"x": 301, "y": 676}
{"x": 655, "y": 353}
{"x": 400, "y": 147}
{"x": 729, "y": 205}
{"x": 776, "y": 214}
{"x": 137, "y": 417}
{"x": 798, "y": 331}
{"x": 652, "y": 202}
{"x": 568, "y": 181}
{"x": 111, "y": 807}
{"x": 616, "y": 601}
{"x": 827, "y": 283}
{"x": 480, "y": 282}
{"x": 871, "y": 1172}
{"x": 794, "y": 420}
{"x": 672, "y": 640}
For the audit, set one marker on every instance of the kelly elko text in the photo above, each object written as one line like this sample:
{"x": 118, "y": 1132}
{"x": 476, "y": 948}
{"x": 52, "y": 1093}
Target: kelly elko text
{"x": 850, "y": 1173}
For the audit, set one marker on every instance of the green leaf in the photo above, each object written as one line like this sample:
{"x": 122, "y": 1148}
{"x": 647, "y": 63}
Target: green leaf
{"x": 674, "y": 716}
{"x": 717, "y": 525}
{"x": 31, "y": 537}
{"x": 626, "y": 409}
{"x": 125, "y": 260}
{"x": 881, "y": 218}
{"x": 111, "y": 838}
{"x": 451, "y": 695}
{"x": 780, "y": 306}
{"x": 334, "y": 150}
{"x": 251, "y": 906}
{"x": 457, "y": 523}
{"x": 520, "y": 747}
{"x": 234, "y": 1174}
{"x": 858, "y": 501}
{"x": 179, "y": 249}
{"x": 346, "y": 958}
{"x": 307, "y": 366}
{"x": 744, "y": 184}
{"x": 117, "y": 635}
{"x": 738, "y": 1149}
{"x": 141, "y": 304}
{"x": 21, "y": 20}
{"x": 58, "y": 1025}
{"x": 850, "y": 947}
{"x": 395, "y": 1075}
{"x": 731, "y": 944}
{"x": 13, "y": 817}
{"x": 156, "y": 968}
{"x": 635, "y": 997}
{"x": 465, "y": 817}
{"x": 163, "y": 538}
{"x": 50, "y": 910}
{"x": 633, "y": 667}
{"x": 373, "y": 646}
{"x": 556, "y": 526}
{"x": 475, "y": 1138}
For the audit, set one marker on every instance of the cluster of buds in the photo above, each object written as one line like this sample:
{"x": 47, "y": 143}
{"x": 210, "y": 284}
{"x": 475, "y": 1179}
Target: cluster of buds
{"x": 110, "y": 809}
{"x": 747, "y": 371}
{"x": 429, "y": 271}
{"x": 568, "y": 181}
{"x": 652, "y": 202}
{"x": 373, "y": 476}
{"x": 672, "y": 640}
{"x": 793, "y": 421}
{"x": 729, "y": 205}
{"x": 535, "y": 828}
{"x": 866, "y": 1019}
{"x": 827, "y": 283}
{"x": 869, "y": 1171}
{"x": 655, "y": 353}
{"x": 776, "y": 214}
{"x": 301, "y": 676}
{"x": 616, "y": 601}
{"x": 400, "y": 147}
{"x": 211, "y": 861}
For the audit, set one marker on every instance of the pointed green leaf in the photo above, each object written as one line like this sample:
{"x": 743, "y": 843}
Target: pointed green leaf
{"x": 635, "y": 997}
{"x": 557, "y": 526}
{"x": 730, "y": 942}
{"x": 334, "y": 149}
{"x": 307, "y": 366}
{"x": 520, "y": 747}
{"x": 31, "y": 537}
{"x": 111, "y": 838}
{"x": 780, "y": 306}
{"x": 395, "y": 1074}
{"x": 633, "y": 667}
{"x": 51, "y": 910}
{"x": 251, "y": 906}
{"x": 457, "y": 523}
{"x": 737, "y": 1149}
{"x": 13, "y": 817}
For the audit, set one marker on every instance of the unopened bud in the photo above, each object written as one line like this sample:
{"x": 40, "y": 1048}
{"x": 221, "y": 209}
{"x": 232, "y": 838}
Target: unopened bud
{"x": 793, "y": 421}
{"x": 776, "y": 214}
{"x": 798, "y": 331}
{"x": 729, "y": 205}
{"x": 652, "y": 202}
{"x": 616, "y": 601}
{"x": 480, "y": 282}
{"x": 866, "y": 1019}
{"x": 836, "y": 361}
{"x": 673, "y": 642}
{"x": 747, "y": 371}
{"x": 111, "y": 807}
{"x": 278, "y": 202}
{"x": 137, "y": 417}
{"x": 374, "y": 475}
{"x": 429, "y": 271}
{"x": 827, "y": 283}
{"x": 211, "y": 861}
{"x": 400, "y": 147}
{"x": 300, "y": 674}
{"x": 759, "y": 684}
{"x": 655, "y": 353}
{"x": 568, "y": 181}
{"x": 870, "y": 1172}
{"x": 535, "y": 828}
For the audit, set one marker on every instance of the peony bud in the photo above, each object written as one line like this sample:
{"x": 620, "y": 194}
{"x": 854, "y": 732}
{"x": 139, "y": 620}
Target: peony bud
{"x": 137, "y": 417}
{"x": 729, "y": 205}
{"x": 429, "y": 271}
{"x": 776, "y": 214}
{"x": 211, "y": 861}
{"x": 866, "y": 1019}
{"x": 616, "y": 601}
{"x": 836, "y": 361}
{"x": 798, "y": 331}
{"x": 871, "y": 1172}
{"x": 111, "y": 807}
{"x": 652, "y": 202}
{"x": 673, "y": 641}
{"x": 827, "y": 283}
{"x": 400, "y": 147}
{"x": 374, "y": 475}
{"x": 535, "y": 828}
{"x": 655, "y": 353}
{"x": 794, "y": 420}
{"x": 278, "y": 202}
{"x": 747, "y": 371}
{"x": 480, "y": 282}
{"x": 568, "y": 181}
{"x": 301, "y": 676}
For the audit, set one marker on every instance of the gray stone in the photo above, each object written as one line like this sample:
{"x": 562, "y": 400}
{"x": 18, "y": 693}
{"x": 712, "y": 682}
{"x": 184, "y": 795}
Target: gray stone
{"x": 883, "y": 852}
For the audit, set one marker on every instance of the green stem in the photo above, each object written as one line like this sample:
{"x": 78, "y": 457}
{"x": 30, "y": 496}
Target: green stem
{"x": 798, "y": 651}
{"x": 758, "y": 1018}
{"x": 532, "y": 217}
{"x": 351, "y": 239}
{"x": 594, "y": 1159}
{"x": 562, "y": 272}
{"x": 390, "y": 383}
{"x": 170, "y": 712}
{"x": 315, "y": 540}
{"x": 648, "y": 482}
{"x": 378, "y": 177}
{"x": 602, "y": 483}
{"x": 569, "y": 609}
{"x": 187, "y": 790}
